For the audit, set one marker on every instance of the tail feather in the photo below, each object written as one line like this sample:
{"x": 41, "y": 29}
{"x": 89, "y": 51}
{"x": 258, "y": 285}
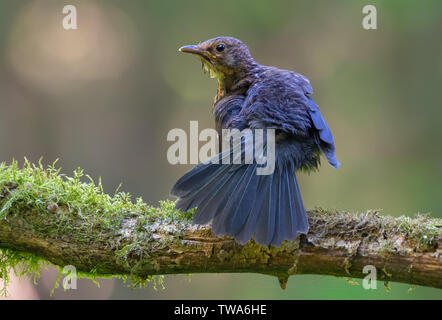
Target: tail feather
{"x": 266, "y": 222}
{"x": 282, "y": 215}
{"x": 235, "y": 212}
{"x": 300, "y": 218}
{"x": 194, "y": 180}
{"x": 202, "y": 196}
{"x": 240, "y": 178}
{"x": 200, "y": 177}
{"x": 213, "y": 202}
{"x": 290, "y": 205}
{"x": 255, "y": 211}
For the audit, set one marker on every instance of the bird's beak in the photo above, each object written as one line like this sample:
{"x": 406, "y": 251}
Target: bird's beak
{"x": 192, "y": 49}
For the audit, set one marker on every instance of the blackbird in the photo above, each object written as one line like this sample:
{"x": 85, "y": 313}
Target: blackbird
{"x": 239, "y": 202}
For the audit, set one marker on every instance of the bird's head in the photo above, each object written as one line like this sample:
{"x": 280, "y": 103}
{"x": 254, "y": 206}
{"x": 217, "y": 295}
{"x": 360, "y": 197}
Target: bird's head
{"x": 223, "y": 57}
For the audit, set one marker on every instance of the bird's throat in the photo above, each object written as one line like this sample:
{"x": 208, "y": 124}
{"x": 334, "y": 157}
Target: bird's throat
{"x": 232, "y": 84}
{"x": 229, "y": 81}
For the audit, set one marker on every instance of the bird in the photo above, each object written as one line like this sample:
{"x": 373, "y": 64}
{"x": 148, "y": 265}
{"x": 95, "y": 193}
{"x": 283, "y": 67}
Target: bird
{"x": 239, "y": 202}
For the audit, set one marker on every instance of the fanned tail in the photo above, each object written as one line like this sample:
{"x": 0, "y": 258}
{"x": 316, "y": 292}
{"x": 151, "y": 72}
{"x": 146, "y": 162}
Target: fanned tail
{"x": 243, "y": 204}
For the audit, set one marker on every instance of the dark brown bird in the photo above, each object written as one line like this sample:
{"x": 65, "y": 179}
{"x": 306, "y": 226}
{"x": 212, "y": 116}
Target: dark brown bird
{"x": 240, "y": 202}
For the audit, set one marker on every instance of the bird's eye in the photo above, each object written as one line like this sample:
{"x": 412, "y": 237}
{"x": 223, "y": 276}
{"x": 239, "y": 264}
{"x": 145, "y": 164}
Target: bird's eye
{"x": 220, "y": 47}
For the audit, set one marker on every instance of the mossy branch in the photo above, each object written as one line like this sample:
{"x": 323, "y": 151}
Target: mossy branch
{"x": 48, "y": 217}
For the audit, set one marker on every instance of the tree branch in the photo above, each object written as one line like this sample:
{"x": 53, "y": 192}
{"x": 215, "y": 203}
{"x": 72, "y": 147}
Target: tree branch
{"x": 68, "y": 222}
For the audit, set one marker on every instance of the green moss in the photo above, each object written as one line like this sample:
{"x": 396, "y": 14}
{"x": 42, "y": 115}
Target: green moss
{"x": 46, "y": 189}
{"x": 424, "y": 229}
{"x": 23, "y": 264}
{"x": 59, "y": 200}
{"x": 28, "y": 265}
{"x": 385, "y": 246}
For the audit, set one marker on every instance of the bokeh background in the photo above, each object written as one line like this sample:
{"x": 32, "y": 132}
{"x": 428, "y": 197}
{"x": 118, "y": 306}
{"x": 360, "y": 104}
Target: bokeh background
{"x": 104, "y": 96}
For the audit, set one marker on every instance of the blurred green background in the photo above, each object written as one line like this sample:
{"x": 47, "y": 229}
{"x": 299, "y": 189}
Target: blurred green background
{"x": 104, "y": 97}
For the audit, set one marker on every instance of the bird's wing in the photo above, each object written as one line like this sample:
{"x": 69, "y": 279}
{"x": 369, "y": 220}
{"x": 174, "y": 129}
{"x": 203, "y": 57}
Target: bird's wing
{"x": 227, "y": 113}
{"x": 324, "y": 135}
{"x": 282, "y": 101}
